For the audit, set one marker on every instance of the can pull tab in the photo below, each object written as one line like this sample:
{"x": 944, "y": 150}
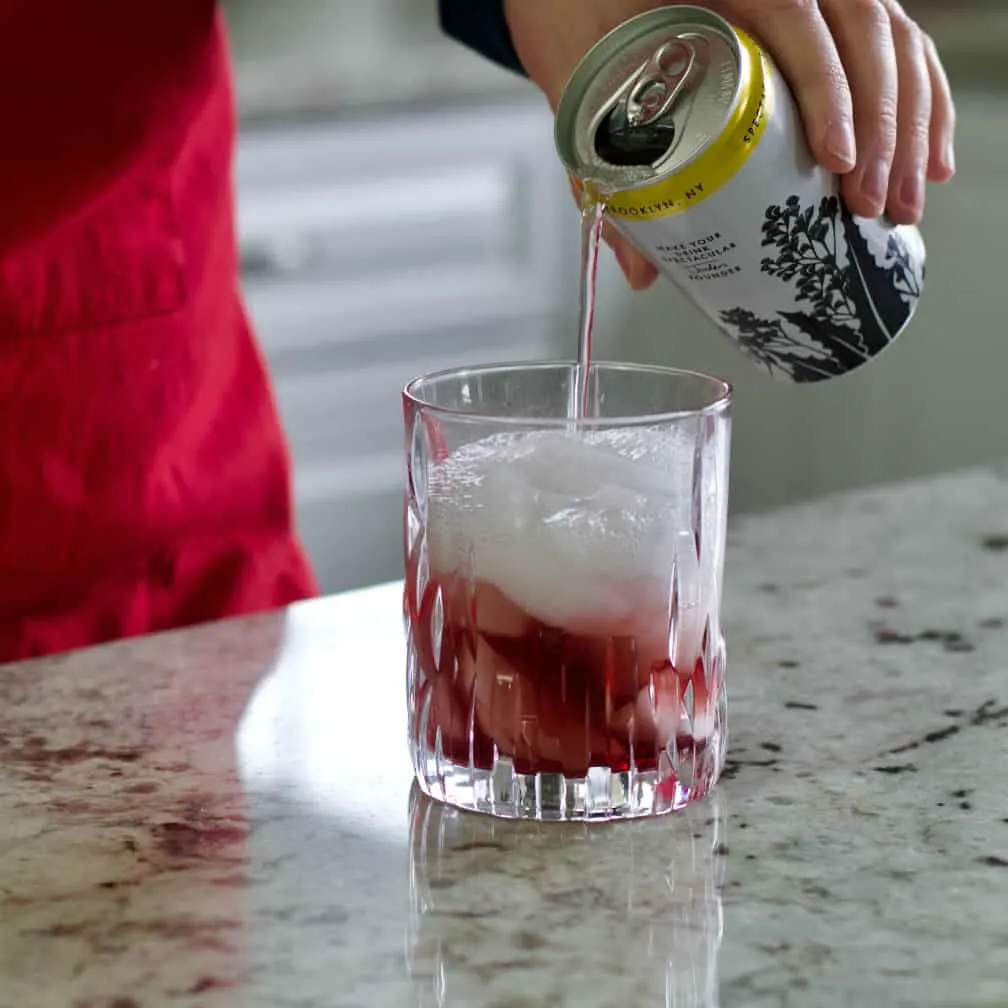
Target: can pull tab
{"x": 659, "y": 83}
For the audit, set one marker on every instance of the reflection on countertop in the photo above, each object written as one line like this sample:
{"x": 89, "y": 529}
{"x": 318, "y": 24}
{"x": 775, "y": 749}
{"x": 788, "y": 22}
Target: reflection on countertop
{"x": 336, "y": 57}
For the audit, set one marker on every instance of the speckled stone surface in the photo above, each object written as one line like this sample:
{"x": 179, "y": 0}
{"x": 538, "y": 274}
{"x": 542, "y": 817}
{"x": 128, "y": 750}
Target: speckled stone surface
{"x": 224, "y": 816}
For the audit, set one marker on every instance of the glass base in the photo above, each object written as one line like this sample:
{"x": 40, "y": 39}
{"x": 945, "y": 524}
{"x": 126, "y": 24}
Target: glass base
{"x": 684, "y": 774}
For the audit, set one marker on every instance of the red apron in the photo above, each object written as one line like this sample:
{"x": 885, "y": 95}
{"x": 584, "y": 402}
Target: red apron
{"x": 144, "y": 477}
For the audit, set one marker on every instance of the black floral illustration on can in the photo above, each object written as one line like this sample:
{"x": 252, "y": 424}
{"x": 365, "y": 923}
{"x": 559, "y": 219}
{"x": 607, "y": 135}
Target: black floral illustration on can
{"x": 856, "y": 285}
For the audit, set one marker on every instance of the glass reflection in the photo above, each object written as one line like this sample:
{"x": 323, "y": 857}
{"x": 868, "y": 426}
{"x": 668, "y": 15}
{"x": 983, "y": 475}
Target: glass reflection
{"x": 560, "y": 912}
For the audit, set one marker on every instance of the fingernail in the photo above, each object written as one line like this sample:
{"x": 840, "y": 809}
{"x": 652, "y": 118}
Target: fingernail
{"x": 875, "y": 182}
{"x": 911, "y": 191}
{"x": 950, "y": 158}
{"x": 840, "y": 141}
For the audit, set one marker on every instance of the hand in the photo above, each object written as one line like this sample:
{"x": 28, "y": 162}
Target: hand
{"x": 872, "y": 92}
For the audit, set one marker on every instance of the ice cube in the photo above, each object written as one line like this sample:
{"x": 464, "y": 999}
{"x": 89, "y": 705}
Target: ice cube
{"x": 576, "y": 530}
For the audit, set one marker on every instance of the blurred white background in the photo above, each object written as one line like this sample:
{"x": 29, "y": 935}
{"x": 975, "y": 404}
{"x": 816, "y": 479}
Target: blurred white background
{"x": 401, "y": 208}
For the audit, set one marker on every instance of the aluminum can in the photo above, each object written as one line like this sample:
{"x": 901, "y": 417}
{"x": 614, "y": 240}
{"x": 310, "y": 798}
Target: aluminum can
{"x": 683, "y": 124}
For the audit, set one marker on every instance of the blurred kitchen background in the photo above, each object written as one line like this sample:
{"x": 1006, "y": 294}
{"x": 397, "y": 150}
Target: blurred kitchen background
{"x": 401, "y": 209}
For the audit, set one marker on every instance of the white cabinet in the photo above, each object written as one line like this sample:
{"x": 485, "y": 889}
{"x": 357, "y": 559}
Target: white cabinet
{"x": 375, "y": 250}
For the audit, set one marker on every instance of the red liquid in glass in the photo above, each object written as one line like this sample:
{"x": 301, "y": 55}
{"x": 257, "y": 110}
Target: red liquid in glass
{"x": 551, "y": 700}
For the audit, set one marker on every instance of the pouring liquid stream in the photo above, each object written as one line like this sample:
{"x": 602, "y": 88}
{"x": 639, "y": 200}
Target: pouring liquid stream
{"x": 593, "y": 208}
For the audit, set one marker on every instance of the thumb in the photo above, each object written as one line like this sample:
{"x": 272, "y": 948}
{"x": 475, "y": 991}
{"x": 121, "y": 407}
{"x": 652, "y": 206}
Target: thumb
{"x": 640, "y": 273}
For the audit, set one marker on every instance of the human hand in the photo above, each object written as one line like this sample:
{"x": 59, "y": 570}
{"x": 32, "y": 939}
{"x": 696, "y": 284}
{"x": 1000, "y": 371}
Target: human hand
{"x": 872, "y": 92}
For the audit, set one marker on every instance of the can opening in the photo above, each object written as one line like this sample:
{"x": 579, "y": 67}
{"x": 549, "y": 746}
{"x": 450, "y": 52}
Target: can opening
{"x": 625, "y": 146}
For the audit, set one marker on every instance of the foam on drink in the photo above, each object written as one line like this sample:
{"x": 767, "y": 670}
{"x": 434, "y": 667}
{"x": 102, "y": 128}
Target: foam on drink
{"x": 576, "y": 528}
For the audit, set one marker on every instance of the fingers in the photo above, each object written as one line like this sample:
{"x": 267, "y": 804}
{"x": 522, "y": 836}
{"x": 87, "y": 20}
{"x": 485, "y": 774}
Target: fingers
{"x": 640, "y": 273}
{"x": 864, "y": 38}
{"x": 941, "y": 153}
{"x": 864, "y": 62}
{"x": 799, "y": 38}
{"x": 905, "y": 203}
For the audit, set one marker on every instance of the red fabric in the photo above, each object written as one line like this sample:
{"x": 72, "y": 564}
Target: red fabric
{"x": 144, "y": 478}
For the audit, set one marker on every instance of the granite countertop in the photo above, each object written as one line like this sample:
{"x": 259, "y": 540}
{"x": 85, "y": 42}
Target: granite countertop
{"x": 224, "y": 816}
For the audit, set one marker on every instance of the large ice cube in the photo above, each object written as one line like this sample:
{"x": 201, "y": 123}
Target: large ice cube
{"x": 576, "y": 529}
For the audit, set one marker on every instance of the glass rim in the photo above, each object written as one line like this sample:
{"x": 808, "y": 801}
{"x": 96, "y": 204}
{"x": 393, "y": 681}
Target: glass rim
{"x": 721, "y": 398}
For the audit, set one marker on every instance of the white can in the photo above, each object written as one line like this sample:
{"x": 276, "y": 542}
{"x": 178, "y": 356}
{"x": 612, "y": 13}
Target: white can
{"x": 690, "y": 132}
